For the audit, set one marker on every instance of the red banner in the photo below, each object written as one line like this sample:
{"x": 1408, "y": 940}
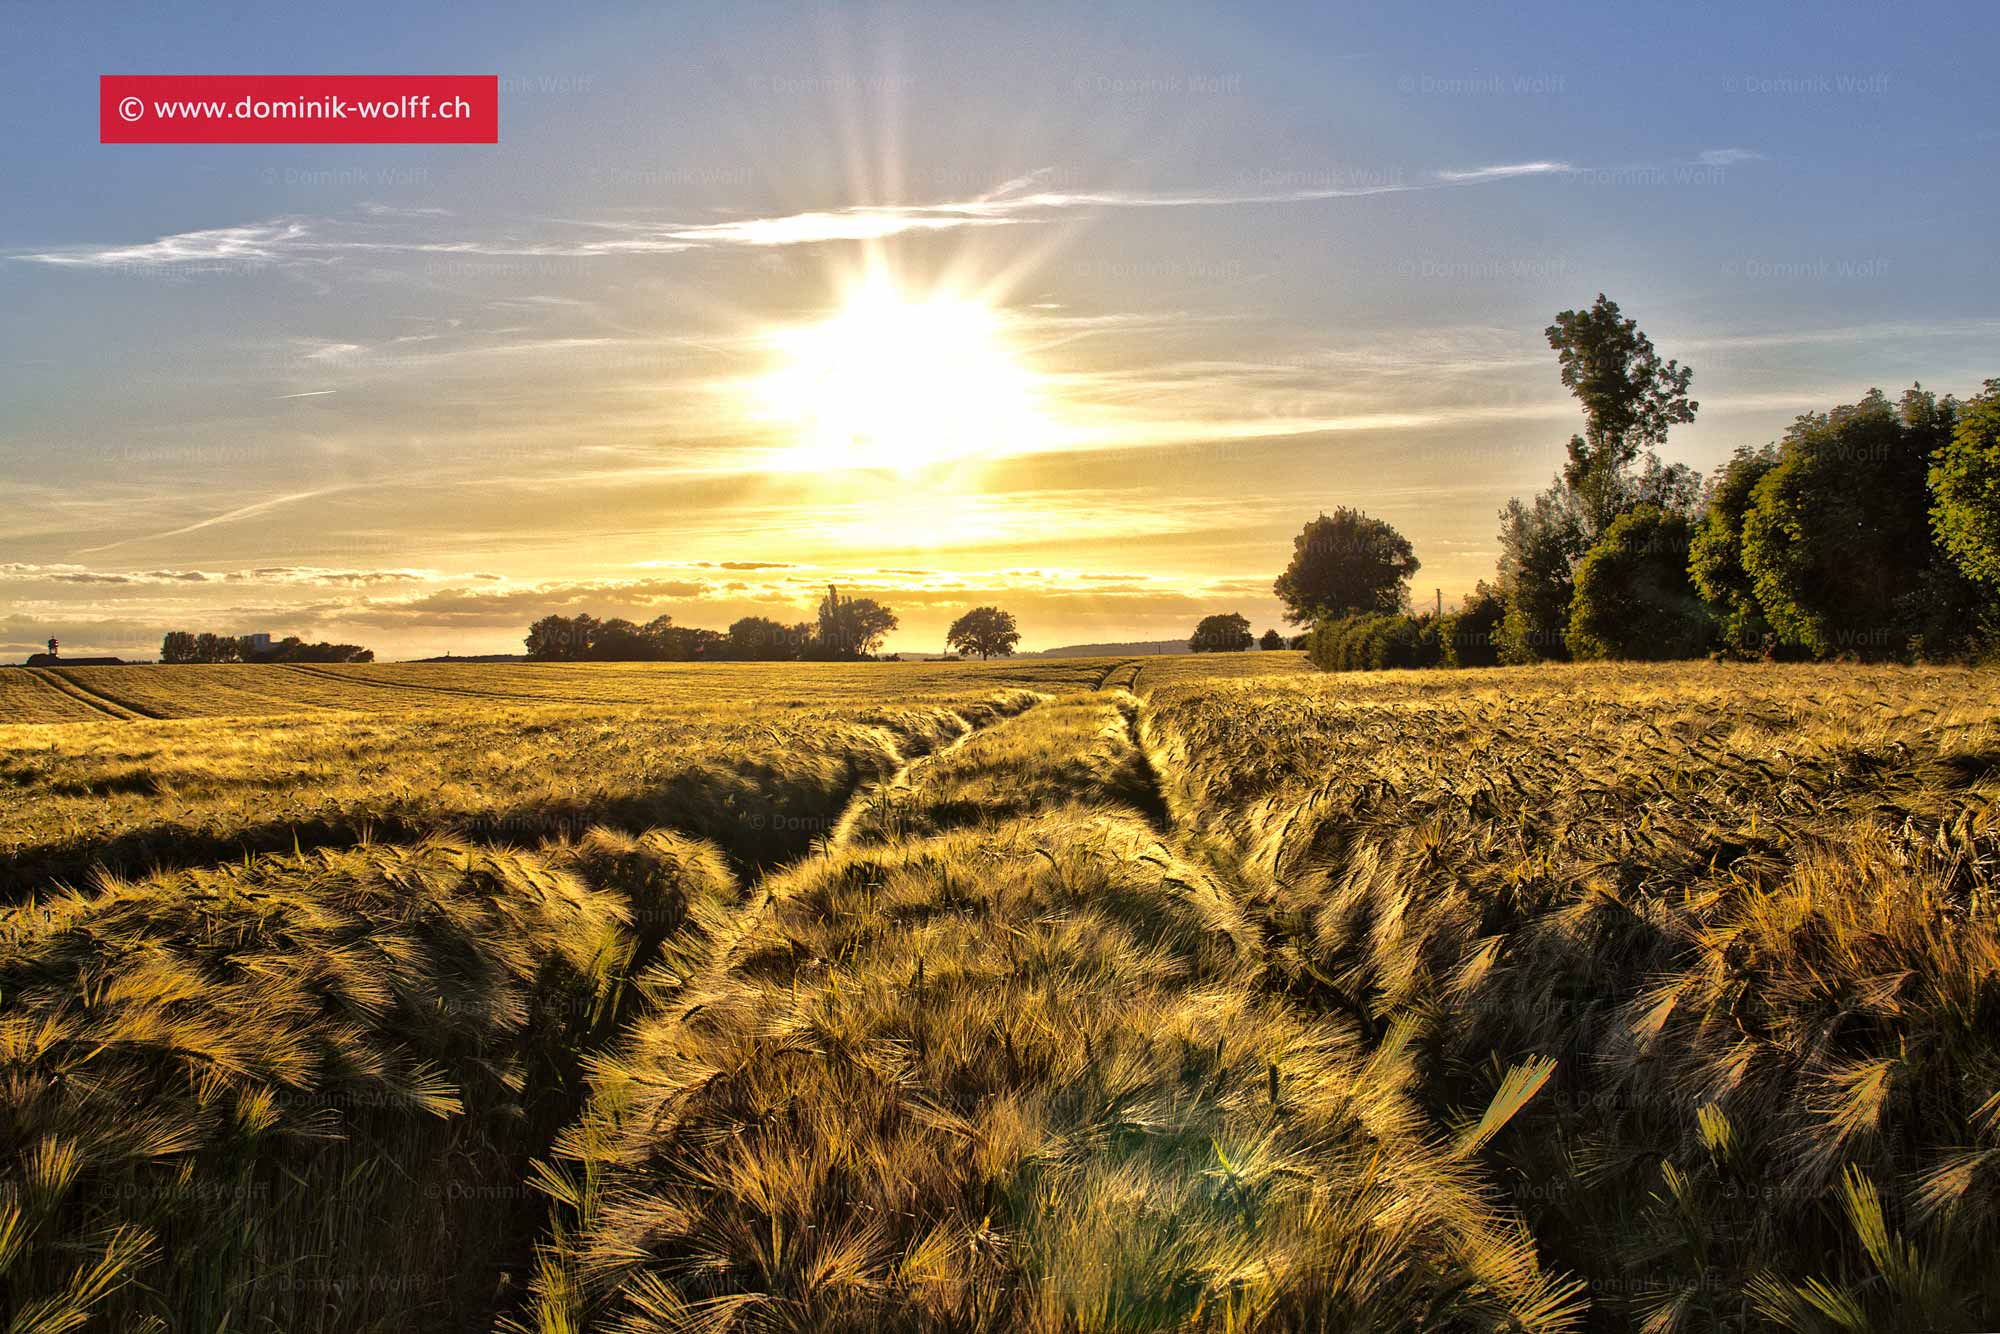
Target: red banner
{"x": 298, "y": 108}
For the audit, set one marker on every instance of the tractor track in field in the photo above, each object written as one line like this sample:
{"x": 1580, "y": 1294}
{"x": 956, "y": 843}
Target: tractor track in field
{"x": 1105, "y": 681}
{"x": 65, "y": 684}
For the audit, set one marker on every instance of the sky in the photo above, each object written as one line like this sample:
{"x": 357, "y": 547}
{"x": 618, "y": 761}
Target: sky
{"x": 1081, "y": 310}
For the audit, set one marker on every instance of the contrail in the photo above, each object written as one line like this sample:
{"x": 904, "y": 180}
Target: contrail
{"x": 245, "y": 512}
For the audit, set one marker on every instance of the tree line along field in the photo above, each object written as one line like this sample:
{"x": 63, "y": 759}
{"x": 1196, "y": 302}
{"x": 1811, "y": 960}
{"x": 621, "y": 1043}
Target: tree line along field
{"x": 1163, "y": 993}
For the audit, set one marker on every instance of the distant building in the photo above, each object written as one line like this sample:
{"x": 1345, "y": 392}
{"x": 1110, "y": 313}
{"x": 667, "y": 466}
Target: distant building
{"x": 259, "y": 643}
{"x": 51, "y": 660}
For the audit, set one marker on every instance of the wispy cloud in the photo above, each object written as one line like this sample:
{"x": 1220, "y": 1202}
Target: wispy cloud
{"x": 1018, "y": 201}
{"x": 1505, "y": 171}
{"x": 257, "y": 242}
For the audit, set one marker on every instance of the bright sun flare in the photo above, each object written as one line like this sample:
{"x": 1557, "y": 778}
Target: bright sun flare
{"x": 896, "y": 383}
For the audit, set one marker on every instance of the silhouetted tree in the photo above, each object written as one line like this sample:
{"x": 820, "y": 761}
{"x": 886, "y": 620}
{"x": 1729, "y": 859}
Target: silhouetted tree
{"x": 619, "y": 640}
{"x": 1345, "y": 562}
{"x": 1470, "y": 636}
{"x": 851, "y": 627}
{"x": 178, "y": 646}
{"x": 985, "y": 631}
{"x": 561, "y": 638}
{"x": 1270, "y": 640}
{"x": 760, "y": 639}
{"x": 1224, "y": 633}
{"x": 215, "y": 648}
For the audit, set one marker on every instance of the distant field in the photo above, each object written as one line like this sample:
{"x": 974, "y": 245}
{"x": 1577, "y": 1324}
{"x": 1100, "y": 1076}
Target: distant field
{"x": 1062, "y": 995}
{"x": 78, "y": 694}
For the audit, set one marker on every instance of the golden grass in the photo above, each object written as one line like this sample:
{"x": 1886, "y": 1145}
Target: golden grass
{"x": 1750, "y": 909}
{"x": 1185, "y": 993}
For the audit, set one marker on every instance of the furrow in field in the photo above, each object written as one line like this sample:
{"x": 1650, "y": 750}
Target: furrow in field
{"x": 90, "y": 699}
{"x": 997, "y": 1057}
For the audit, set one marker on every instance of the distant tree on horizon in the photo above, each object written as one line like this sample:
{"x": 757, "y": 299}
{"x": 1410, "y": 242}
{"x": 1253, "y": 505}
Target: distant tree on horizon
{"x": 1226, "y": 632}
{"x": 1271, "y": 641}
{"x": 985, "y": 631}
{"x": 178, "y": 647}
{"x": 216, "y": 648}
{"x": 1345, "y": 563}
{"x": 851, "y": 627}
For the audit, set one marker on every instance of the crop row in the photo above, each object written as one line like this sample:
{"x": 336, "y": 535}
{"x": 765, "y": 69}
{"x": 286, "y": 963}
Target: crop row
{"x": 1749, "y": 911}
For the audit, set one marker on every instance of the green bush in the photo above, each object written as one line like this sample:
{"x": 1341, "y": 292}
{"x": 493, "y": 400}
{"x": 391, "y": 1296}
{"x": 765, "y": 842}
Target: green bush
{"x": 1470, "y": 636}
{"x": 1633, "y": 596}
{"x": 1374, "y": 642}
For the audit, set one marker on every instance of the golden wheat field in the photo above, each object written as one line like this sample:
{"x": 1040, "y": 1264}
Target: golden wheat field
{"x": 1185, "y": 993}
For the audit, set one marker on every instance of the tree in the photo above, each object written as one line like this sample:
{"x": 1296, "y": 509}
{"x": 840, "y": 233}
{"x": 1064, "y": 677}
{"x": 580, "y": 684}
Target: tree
{"x": 761, "y": 639}
{"x": 1965, "y": 489}
{"x": 561, "y": 638}
{"x": 1226, "y": 633}
{"x": 1346, "y": 563}
{"x": 1271, "y": 641}
{"x": 1540, "y": 544}
{"x": 852, "y": 627}
{"x": 1470, "y": 636}
{"x": 1715, "y": 556}
{"x": 985, "y": 631}
{"x": 1630, "y": 400}
{"x": 215, "y": 648}
{"x": 1633, "y": 595}
{"x": 178, "y": 646}
{"x": 619, "y": 640}
{"x": 1837, "y": 540}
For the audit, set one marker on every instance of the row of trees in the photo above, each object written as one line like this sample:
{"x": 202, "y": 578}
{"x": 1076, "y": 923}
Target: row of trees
{"x": 1229, "y": 632}
{"x": 182, "y": 646}
{"x": 845, "y": 628}
{"x": 1870, "y": 531}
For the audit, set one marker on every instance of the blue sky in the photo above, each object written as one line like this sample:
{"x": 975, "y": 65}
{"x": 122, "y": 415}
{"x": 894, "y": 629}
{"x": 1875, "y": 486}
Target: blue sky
{"x": 1248, "y": 264}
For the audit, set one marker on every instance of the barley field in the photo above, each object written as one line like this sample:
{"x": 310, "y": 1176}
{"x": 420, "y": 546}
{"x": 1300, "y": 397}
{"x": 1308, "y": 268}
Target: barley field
{"x": 1189, "y": 993}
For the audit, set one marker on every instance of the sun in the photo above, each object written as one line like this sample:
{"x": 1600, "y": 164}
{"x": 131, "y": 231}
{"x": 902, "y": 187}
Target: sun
{"x": 900, "y": 383}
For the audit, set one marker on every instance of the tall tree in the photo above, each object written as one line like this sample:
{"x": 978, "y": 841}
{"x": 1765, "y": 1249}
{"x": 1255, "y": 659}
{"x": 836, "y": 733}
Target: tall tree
{"x": 1540, "y": 544}
{"x": 1965, "y": 489}
{"x": 1228, "y": 632}
{"x": 1343, "y": 563}
{"x": 852, "y": 627}
{"x": 1715, "y": 556}
{"x": 215, "y": 648}
{"x": 985, "y": 631}
{"x": 178, "y": 646}
{"x": 1630, "y": 399}
{"x": 1837, "y": 541}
